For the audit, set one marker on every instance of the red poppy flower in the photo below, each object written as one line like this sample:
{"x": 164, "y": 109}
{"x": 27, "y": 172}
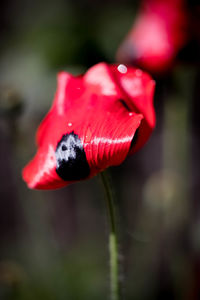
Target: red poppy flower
{"x": 92, "y": 125}
{"x": 157, "y": 35}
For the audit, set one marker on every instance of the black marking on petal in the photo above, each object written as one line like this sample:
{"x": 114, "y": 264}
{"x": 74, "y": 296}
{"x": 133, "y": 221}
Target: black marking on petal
{"x": 123, "y": 102}
{"x": 64, "y": 148}
{"x": 134, "y": 139}
{"x": 71, "y": 161}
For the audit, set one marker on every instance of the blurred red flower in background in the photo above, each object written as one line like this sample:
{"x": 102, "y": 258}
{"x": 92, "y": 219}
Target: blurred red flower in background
{"x": 159, "y": 32}
{"x": 92, "y": 125}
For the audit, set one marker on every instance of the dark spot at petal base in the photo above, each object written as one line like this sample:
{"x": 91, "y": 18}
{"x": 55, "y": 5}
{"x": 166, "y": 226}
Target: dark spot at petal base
{"x": 71, "y": 161}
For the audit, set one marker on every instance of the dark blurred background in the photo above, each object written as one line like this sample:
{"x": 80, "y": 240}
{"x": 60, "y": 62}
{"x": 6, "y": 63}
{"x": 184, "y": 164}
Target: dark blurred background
{"x": 53, "y": 244}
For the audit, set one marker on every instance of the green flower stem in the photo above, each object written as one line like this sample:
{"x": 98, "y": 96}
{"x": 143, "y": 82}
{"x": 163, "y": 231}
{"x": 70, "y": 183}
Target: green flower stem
{"x": 113, "y": 241}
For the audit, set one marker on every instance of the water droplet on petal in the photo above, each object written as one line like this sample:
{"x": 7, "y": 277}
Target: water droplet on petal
{"x": 69, "y": 124}
{"x": 122, "y": 69}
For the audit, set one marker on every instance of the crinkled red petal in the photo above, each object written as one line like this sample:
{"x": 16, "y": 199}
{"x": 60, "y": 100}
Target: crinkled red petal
{"x": 138, "y": 91}
{"x": 94, "y": 111}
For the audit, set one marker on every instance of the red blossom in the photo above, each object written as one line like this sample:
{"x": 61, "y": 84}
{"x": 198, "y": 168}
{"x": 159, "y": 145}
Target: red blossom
{"x": 91, "y": 125}
{"x": 159, "y": 32}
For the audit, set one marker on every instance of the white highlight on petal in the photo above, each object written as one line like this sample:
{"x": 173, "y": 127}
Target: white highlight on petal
{"x": 126, "y": 139}
{"x": 122, "y": 69}
{"x": 133, "y": 86}
{"x": 69, "y": 124}
{"x": 99, "y": 76}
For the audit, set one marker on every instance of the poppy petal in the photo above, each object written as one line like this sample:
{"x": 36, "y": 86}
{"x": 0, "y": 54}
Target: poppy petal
{"x": 40, "y": 172}
{"x": 100, "y": 78}
{"x": 138, "y": 90}
{"x": 89, "y": 127}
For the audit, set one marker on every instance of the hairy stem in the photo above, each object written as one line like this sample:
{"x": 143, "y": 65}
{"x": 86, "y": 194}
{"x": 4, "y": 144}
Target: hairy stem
{"x": 113, "y": 240}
